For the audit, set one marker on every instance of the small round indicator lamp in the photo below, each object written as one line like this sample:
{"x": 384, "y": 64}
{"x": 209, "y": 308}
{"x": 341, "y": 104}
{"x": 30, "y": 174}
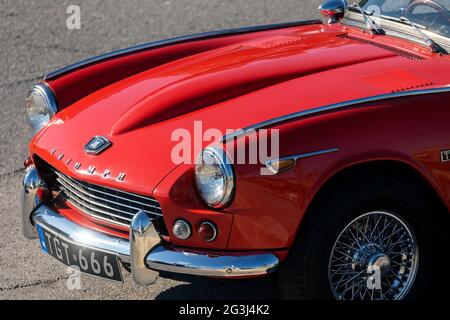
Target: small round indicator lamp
{"x": 181, "y": 229}
{"x": 207, "y": 231}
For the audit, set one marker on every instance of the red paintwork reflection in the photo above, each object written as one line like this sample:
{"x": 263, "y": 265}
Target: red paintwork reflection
{"x": 238, "y": 81}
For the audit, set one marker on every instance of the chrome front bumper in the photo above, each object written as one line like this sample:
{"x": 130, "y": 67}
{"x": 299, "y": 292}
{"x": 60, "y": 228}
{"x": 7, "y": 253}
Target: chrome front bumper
{"x": 143, "y": 250}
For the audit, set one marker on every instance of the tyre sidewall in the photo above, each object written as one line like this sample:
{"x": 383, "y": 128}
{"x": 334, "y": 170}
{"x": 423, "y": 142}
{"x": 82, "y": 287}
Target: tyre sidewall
{"x": 405, "y": 202}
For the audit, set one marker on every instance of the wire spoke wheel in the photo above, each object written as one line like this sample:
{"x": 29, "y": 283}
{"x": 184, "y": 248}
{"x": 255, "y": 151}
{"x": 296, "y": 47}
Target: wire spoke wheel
{"x": 375, "y": 257}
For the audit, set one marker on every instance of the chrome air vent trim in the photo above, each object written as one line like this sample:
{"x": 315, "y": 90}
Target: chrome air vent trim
{"x": 399, "y": 52}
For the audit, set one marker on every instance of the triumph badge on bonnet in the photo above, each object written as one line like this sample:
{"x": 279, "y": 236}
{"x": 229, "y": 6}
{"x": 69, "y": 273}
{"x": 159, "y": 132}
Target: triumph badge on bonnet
{"x": 97, "y": 145}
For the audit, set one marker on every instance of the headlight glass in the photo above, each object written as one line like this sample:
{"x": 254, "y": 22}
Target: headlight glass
{"x": 40, "y": 106}
{"x": 214, "y": 177}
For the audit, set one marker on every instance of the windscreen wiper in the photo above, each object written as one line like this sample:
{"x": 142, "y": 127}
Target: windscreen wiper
{"x": 430, "y": 42}
{"x": 371, "y": 24}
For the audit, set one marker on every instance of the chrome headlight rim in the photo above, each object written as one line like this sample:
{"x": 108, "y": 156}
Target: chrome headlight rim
{"x": 226, "y": 167}
{"x": 47, "y": 94}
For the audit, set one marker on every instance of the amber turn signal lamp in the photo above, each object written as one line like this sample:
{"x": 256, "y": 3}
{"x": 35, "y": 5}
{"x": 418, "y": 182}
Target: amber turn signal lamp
{"x": 207, "y": 231}
{"x": 277, "y": 166}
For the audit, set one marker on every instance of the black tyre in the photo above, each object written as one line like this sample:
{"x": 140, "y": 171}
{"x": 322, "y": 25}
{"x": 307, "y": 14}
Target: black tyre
{"x": 361, "y": 241}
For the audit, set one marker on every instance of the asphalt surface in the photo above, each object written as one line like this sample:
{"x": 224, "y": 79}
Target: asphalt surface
{"x": 34, "y": 39}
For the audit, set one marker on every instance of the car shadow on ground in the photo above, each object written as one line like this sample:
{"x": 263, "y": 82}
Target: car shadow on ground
{"x": 199, "y": 288}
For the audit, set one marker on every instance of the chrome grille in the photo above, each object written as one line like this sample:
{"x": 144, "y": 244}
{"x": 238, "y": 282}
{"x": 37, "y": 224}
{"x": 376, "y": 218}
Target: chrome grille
{"x": 111, "y": 205}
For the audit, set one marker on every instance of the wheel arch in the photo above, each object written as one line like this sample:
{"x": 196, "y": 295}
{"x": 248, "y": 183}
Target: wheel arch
{"x": 301, "y": 272}
{"x": 398, "y": 168}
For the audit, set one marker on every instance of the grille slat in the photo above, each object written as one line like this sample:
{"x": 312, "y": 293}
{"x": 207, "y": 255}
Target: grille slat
{"x": 111, "y": 205}
{"x": 71, "y": 185}
{"x": 73, "y": 193}
{"x": 84, "y": 206}
{"x": 95, "y": 188}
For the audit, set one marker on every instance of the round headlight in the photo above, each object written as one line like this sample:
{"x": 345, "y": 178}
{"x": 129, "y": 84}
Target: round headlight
{"x": 40, "y": 106}
{"x": 214, "y": 177}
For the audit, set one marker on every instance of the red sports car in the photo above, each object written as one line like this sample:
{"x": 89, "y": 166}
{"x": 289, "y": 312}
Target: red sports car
{"x": 316, "y": 151}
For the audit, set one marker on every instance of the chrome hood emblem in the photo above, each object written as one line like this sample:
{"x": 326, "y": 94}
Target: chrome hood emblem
{"x": 97, "y": 145}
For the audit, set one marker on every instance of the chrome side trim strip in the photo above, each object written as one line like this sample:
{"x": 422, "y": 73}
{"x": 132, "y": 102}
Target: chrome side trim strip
{"x": 331, "y": 107}
{"x": 270, "y": 164}
{"x": 177, "y": 40}
{"x": 310, "y": 154}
